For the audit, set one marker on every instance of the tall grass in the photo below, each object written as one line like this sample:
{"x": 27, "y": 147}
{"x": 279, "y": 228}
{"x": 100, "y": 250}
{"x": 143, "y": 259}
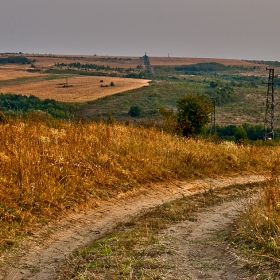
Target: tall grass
{"x": 259, "y": 227}
{"x": 47, "y": 168}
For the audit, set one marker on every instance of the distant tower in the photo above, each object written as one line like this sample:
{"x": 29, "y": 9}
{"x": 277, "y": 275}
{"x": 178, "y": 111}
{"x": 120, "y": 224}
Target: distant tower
{"x": 269, "y": 109}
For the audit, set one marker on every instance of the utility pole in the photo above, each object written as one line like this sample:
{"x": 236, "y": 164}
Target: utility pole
{"x": 213, "y": 116}
{"x": 269, "y": 109}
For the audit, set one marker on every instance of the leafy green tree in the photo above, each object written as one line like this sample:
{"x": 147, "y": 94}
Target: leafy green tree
{"x": 240, "y": 134}
{"x": 193, "y": 113}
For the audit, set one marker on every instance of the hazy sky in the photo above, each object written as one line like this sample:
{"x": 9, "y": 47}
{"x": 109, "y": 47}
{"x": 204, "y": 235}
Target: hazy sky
{"x": 242, "y": 29}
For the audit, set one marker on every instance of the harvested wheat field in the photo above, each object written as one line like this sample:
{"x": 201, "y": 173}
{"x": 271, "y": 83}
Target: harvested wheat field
{"x": 15, "y": 72}
{"x": 46, "y": 61}
{"x": 127, "y": 62}
{"x": 80, "y": 89}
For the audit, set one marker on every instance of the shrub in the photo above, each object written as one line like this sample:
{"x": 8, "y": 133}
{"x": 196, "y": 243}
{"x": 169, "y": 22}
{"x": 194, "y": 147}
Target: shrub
{"x": 240, "y": 134}
{"x": 134, "y": 111}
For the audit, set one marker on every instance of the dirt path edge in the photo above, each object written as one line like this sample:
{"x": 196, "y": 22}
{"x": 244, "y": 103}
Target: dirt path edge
{"x": 38, "y": 256}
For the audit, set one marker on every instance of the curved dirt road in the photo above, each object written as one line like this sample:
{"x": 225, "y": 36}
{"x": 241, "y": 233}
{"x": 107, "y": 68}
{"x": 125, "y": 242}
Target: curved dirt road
{"x": 39, "y": 254}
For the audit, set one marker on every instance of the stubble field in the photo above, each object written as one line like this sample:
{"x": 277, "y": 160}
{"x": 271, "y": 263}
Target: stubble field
{"x": 10, "y": 72}
{"x": 81, "y": 88}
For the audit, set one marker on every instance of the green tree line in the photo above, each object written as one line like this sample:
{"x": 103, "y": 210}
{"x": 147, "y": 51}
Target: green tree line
{"x": 253, "y": 132}
{"x": 202, "y": 67}
{"x": 15, "y": 104}
{"x": 15, "y": 60}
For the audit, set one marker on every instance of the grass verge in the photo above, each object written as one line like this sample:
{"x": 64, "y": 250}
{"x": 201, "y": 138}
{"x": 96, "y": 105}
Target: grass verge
{"x": 257, "y": 232}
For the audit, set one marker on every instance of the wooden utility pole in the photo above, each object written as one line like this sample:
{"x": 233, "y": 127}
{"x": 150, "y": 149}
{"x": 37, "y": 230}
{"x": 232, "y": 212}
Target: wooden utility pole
{"x": 269, "y": 108}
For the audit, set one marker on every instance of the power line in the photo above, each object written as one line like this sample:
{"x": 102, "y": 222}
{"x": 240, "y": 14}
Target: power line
{"x": 269, "y": 108}
{"x": 213, "y": 116}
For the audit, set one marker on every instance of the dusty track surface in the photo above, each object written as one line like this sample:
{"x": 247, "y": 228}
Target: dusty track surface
{"x": 199, "y": 249}
{"x": 39, "y": 254}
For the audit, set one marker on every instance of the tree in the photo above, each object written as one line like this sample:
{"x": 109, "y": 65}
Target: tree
{"x": 240, "y": 134}
{"x": 193, "y": 113}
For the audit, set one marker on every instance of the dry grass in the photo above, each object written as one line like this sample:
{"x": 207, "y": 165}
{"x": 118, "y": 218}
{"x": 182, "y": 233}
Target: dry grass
{"x": 46, "y": 61}
{"x": 83, "y": 88}
{"x": 46, "y": 168}
{"x": 259, "y": 227}
{"x": 14, "y": 73}
{"x": 127, "y": 62}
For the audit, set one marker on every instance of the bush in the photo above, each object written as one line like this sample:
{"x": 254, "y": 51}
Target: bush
{"x": 240, "y": 134}
{"x": 134, "y": 111}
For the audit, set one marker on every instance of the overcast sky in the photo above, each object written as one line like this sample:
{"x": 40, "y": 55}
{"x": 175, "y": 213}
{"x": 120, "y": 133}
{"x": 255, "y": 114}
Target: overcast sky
{"x": 242, "y": 29}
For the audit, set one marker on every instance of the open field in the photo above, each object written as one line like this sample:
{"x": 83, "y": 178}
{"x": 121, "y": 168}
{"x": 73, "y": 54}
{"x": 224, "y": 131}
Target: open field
{"x": 248, "y": 106}
{"x": 82, "y": 89}
{"x": 11, "y": 72}
{"x": 50, "y": 169}
{"x": 16, "y": 79}
{"x": 174, "y": 61}
{"x": 46, "y": 61}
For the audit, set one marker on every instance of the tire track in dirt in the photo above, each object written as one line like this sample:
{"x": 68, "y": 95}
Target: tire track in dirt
{"x": 199, "y": 250}
{"x": 39, "y": 255}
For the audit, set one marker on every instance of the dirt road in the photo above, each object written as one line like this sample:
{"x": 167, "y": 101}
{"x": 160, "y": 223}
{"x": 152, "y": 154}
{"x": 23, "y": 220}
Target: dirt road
{"x": 199, "y": 249}
{"x": 39, "y": 254}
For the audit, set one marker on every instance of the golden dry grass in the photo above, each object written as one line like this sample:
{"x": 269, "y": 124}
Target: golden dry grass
{"x": 122, "y": 62}
{"x": 259, "y": 226}
{"x": 83, "y": 88}
{"x": 9, "y": 73}
{"x": 45, "y": 168}
{"x": 46, "y": 61}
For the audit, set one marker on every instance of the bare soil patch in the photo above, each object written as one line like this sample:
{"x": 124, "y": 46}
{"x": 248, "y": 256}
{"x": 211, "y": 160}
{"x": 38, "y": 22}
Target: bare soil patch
{"x": 40, "y": 253}
{"x": 81, "y": 89}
